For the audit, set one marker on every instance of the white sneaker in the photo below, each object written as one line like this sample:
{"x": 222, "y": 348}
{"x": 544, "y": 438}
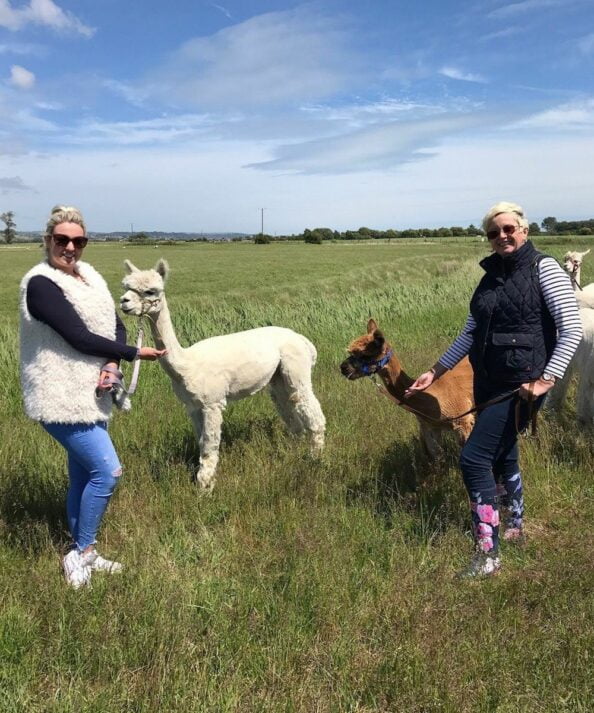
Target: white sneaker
{"x": 100, "y": 564}
{"x": 76, "y": 569}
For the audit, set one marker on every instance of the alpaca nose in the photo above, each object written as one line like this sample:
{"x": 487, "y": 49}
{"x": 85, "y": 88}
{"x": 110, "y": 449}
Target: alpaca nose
{"x": 345, "y": 368}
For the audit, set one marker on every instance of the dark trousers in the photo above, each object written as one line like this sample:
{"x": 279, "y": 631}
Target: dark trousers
{"x": 490, "y": 456}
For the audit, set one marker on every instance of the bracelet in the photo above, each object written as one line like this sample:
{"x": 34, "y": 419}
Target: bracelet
{"x": 432, "y": 370}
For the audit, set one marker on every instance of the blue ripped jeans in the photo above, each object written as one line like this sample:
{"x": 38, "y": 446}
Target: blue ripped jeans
{"x": 93, "y": 469}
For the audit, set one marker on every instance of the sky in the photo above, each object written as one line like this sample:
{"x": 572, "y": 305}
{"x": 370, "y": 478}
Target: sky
{"x": 195, "y": 115}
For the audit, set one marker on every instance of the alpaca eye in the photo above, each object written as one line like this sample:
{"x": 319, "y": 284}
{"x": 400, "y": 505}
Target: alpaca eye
{"x": 149, "y": 293}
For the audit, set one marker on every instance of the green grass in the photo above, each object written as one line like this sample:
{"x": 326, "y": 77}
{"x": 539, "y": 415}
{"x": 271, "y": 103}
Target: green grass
{"x": 297, "y": 585}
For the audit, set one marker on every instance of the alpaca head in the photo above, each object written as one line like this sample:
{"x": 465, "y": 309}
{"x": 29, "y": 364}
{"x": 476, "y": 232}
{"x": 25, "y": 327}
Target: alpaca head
{"x": 144, "y": 289}
{"x": 572, "y": 261}
{"x": 366, "y": 353}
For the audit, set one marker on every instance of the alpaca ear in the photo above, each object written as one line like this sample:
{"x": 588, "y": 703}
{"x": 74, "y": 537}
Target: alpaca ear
{"x": 371, "y": 326}
{"x": 378, "y": 337}
{"x": 130, "y": 268}
{"x": 587, "y": 251}
{"x": 162, "y": 267}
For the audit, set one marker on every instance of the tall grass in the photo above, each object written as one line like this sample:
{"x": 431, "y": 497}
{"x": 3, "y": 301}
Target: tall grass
{"x": 298, "y": 585}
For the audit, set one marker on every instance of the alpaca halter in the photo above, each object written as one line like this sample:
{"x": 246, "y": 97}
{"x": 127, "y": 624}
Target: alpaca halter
{"x": 572, "y": 274}
{"x": 371, "y": 367}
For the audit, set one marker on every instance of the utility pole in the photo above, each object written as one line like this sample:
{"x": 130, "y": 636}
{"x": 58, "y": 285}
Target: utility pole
{"x": 132, "y": 228}
{"x": 262, "y": 215}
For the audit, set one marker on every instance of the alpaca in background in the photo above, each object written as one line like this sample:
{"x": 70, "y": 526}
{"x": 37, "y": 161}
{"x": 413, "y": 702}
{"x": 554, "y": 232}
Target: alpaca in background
{"x": 572, "y": 264}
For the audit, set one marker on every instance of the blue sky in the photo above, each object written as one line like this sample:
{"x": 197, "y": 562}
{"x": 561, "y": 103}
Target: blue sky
{"x": 193, "y": 115}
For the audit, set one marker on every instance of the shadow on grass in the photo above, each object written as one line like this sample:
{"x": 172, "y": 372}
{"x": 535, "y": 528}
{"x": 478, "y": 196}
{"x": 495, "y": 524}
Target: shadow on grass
{"x": 407, "y": 480}
{"x": 33, "y": 512}
{"x": 183, "y": 447}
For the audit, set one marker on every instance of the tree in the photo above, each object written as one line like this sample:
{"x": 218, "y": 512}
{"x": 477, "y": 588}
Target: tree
{"x": 533, "y": 229}
{"x": 139, "y": 238}
{"x": 314, "y": 237}
{"x": 8, "y": 232}
{"x": 549, "y": 224}
{"x": 262, "y": 239}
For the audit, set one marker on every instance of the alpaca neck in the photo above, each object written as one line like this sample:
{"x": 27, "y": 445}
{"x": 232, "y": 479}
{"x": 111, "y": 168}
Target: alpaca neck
{"x": 165, "y": 338}
{"x": 395, "y": 379}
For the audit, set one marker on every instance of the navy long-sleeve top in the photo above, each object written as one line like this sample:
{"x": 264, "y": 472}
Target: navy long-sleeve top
{"x": 47, "y": 303}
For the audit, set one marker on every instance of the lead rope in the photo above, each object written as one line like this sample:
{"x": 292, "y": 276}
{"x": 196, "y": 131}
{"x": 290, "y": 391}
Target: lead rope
{"x": 136, "y": 369}
{"x": 479, "y": 407}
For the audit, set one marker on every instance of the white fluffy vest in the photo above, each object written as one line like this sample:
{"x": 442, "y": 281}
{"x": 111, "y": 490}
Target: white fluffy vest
{"x": 58, "y": 381}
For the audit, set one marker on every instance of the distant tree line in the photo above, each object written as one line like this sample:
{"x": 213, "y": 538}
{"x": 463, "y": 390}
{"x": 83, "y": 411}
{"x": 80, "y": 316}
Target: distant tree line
{"x": 549, "y": 226}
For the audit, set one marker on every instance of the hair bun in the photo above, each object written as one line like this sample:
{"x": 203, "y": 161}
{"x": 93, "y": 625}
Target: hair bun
{"x": 63, "y": 209}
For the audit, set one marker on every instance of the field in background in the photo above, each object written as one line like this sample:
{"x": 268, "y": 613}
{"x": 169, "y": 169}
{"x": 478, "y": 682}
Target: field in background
{"x": 297, "y": 585}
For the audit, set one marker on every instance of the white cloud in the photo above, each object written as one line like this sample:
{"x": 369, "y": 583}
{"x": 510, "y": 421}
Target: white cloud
{"x": 365, "y": 113}
{"x": 278, "y": 58}
{"x": 12, "y": 184}
{"x": 158, "y": 131}
{"x": 21, "y": 77}
{"x": 22, "y": 48}
{"x": 41, "y": 12}
{"x": 222, "y": 9}
{"x": 453, "y": 73}
{"x": 518, "y": 8}
{"x": 578, "y": 115}
{"x": 500, "y": 34}
{"x": 381, "y": 147}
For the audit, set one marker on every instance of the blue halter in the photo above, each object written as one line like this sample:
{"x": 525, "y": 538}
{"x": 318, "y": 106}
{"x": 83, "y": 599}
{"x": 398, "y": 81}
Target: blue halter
{"x": 370, "y": 367}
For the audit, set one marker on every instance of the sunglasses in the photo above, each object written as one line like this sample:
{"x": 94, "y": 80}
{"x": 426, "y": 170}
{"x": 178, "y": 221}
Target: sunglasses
{"x": 507, "y": 229}
{"x": 63, "y": 240}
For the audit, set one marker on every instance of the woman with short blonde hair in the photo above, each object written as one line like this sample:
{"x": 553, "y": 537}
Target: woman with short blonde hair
{"x": 522, "y": 330}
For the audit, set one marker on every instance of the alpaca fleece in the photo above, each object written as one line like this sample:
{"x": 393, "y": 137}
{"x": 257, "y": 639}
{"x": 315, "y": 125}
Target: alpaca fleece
{"x": 59, "y": 381}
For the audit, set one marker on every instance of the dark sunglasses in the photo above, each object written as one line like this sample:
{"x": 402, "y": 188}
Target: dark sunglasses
{"x": 507, "y": 229}
{"x": 63, "y": 240}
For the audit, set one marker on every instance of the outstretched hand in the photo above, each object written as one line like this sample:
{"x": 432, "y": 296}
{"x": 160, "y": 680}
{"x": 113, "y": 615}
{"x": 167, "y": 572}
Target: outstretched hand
{"x": 150, "y": 353}
{"x": 422, "y": 383}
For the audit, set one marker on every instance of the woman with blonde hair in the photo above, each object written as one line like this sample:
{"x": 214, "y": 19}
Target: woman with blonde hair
{"x": 521, "y": 333}
{"x": 71, "y": 343}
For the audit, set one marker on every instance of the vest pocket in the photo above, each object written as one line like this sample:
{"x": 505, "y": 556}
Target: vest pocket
{"x": 513, "y": 350}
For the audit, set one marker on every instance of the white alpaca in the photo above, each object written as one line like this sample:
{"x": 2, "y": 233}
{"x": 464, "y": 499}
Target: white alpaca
{"x": 583, "y": 360}
{"x": 583, "y": 364}
{"x": 572, "y": 264}
{"x": 214, "y": 371}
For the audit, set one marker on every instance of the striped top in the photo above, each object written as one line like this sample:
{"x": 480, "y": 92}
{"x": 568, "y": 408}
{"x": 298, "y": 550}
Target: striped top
{"x": 561, "y": 303}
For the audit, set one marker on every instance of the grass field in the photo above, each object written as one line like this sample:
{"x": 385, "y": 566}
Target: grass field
{"x": 298, "y": 585}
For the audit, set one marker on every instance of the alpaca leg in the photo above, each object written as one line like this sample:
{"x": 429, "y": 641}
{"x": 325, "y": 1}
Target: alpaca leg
{"x": 281, "y": 397}
{"x": 463, "y": 428}
{"x": 210, "y": 439}
{"x": 585, "y": 397}
{"x": 297, "y": 393}
{"x": 196, "y": 417}
{"x": 430, "y": 440}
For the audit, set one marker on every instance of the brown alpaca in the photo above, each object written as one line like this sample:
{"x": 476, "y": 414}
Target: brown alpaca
{"x": 449, "y": 396}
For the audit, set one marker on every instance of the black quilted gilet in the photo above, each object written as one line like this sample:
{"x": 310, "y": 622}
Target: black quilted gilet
{"x": 515, "y": 334}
